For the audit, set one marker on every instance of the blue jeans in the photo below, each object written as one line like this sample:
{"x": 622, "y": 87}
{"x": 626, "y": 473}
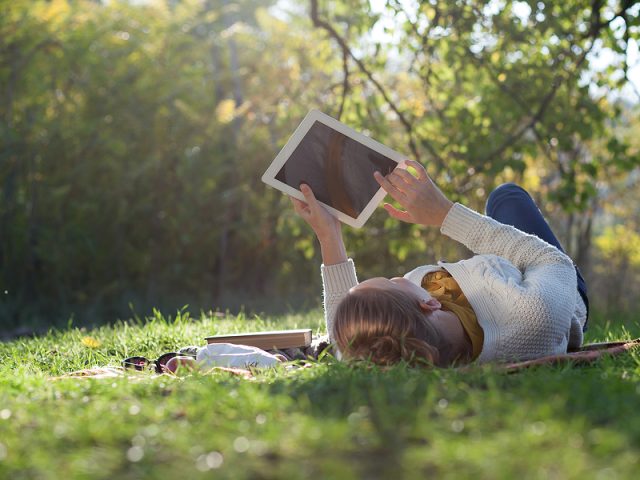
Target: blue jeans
{"x": 512, "y": 205}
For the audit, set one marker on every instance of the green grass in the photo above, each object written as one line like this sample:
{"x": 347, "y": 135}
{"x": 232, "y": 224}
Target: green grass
{"x": 327, "y": 421}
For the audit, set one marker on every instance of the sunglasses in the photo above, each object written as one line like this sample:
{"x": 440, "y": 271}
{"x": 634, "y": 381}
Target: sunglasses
{"x": 140, "y": 363}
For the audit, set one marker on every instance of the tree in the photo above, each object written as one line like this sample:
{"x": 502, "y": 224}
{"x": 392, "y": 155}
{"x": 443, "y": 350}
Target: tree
{"x": 133, "y": 135}
{"x": 485, "y": 92}
{"x": 133, "y": 139}
{"x": 479, "y": 86}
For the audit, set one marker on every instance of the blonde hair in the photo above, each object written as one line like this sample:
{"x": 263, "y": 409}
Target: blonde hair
{"x": 387, "y": 327}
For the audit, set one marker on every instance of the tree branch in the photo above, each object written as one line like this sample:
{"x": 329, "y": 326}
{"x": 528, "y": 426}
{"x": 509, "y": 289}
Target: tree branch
{"x": 596, "y": 5}
{"x": 627, "y": 39}
{"x": 319, "y": 23}
{"x": 345, "y": 82}
{"x": 546, "y": 101}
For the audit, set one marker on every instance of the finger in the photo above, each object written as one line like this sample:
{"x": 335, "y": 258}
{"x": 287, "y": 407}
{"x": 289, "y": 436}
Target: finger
{"x": 297, "y": 204}
{"x": 300, "y": 207}
{"x": 399, "y": 214}
{"x": 388, "y": 187}
{"x": 405, "y": 176}
{"x": 418, "y": 167}
{"x": 308, "y": 194}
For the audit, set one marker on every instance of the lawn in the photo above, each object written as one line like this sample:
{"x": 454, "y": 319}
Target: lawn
{"x": 329, "y": 420}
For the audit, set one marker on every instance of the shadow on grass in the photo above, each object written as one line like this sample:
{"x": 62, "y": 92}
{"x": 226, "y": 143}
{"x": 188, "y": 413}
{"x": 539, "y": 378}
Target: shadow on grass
{"x": 396, "y": 410}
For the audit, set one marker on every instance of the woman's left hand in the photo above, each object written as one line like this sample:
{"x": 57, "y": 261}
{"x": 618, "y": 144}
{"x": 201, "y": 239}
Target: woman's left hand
{"x": 325, "y": 225}
{"x": 422, "y": 200}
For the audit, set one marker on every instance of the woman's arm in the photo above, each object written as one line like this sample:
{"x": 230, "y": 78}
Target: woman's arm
{"x": 337, "y": 280}
{"x": 484, "y": 235}
{"x": 425, "y": 204}
{"x": 333, "y": 249}
{"x": 338, "y": 272}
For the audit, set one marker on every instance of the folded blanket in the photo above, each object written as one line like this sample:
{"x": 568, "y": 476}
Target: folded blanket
{"x": 113, "y": 372}
{"x": 95, "y": 372}
{"x": 586, "y": 354}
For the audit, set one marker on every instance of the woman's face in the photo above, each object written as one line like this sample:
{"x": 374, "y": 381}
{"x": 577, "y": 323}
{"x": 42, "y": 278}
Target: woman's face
{"x": 395, "y": 283}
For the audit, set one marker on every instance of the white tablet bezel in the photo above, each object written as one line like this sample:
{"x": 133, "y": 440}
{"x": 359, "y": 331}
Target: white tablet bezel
{"x": 313, "y": 116}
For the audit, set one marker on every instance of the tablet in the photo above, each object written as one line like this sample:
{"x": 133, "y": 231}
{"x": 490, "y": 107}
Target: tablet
{"x": 337, "y": 163}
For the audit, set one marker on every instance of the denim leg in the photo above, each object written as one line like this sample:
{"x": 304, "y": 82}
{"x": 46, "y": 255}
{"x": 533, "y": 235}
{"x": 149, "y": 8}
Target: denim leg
{"x": 512, "y": 205}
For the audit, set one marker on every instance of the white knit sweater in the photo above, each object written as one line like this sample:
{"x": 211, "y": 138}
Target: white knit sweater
{"x": 522, "y": 289}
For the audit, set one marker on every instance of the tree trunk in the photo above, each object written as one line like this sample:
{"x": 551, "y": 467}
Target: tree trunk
{"x": 229, "y": 217}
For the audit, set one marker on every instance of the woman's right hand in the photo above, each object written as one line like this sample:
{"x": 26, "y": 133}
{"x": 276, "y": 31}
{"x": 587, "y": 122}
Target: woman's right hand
{"x": 325, "y": 225}
{"x": 422, "y": 200}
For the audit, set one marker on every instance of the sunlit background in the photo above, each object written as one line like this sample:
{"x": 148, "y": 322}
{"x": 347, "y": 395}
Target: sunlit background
{"x": 134, "y": 135}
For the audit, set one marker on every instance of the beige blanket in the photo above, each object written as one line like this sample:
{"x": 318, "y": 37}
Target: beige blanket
{"x": 586, "y": 354}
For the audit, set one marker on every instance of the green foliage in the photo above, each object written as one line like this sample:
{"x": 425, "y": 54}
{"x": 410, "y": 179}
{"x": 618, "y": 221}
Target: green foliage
{"x": 329, "y": 420}
{"x": 619, "y": 245}
{"x": 486, "y": 85}
{"x": 133, "y": 135}
{"x": 618, "y": 249}
{"x": 134, "y": 138}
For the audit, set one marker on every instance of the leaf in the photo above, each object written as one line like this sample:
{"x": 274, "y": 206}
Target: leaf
{"x": 225, "y": 111}
{"x": 91, "y": 342}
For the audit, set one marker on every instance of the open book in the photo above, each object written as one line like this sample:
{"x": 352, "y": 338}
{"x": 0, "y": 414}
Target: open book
{"x": 267, "y": 340}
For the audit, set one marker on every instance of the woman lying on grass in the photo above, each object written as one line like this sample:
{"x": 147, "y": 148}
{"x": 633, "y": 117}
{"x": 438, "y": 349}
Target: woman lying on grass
{"x": 519, "y": 298}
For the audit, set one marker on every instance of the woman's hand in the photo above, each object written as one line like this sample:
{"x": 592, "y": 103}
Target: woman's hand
{"x": 319, "y": 219}
{"x": 422, "y": 200}
{"x": 326, "y": 227}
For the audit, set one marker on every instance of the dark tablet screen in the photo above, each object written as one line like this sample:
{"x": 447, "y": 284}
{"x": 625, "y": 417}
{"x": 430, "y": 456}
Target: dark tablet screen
{"x": 338, "y": 169}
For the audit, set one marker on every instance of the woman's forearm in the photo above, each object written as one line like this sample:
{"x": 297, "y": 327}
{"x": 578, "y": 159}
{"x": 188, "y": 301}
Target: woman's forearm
{"x": 333, "y": 249}
{"x": 484, "y": 235}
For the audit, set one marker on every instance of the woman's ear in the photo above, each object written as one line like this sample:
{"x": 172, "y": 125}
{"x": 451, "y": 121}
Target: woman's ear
{"x": 430, "y": 305}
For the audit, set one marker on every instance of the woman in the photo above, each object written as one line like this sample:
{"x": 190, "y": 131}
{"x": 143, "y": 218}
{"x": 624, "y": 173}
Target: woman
{"x": 518, "y": 298}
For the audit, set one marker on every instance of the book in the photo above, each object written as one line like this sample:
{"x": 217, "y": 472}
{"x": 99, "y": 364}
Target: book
{"x": 277, "y": 339}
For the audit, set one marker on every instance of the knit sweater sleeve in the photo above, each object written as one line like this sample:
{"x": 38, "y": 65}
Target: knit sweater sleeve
{"x": 336, "y": 282}
{"x": 484, "y": 235}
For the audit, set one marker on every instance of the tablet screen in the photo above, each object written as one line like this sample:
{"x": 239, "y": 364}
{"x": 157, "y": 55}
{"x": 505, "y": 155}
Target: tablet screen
{"x": 338, "y": 169}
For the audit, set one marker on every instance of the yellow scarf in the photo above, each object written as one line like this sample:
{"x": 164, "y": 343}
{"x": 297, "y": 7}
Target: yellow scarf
{"x": 443, "y": 287}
